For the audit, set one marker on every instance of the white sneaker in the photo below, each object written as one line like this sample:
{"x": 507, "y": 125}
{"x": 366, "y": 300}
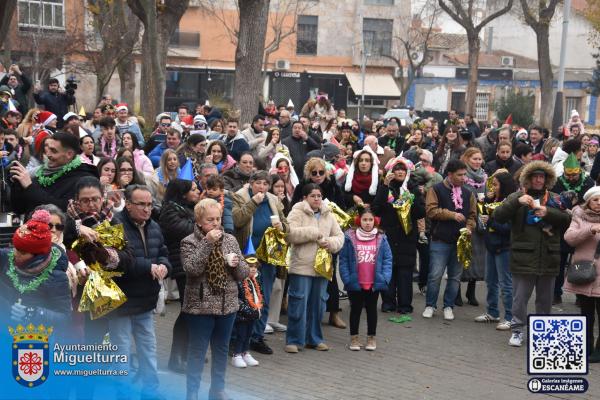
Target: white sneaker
{"x": 277, "y": 327}
{"x": 269, "y": 329}
{"x": 485, "y": 317}
{"x": 428, "y": 313}
{"x": 516, "y": 339}
{"x": 238, "y": 362}
{"x": 249, "y": 360}
{"x": 503, "y": 325}
{"x": 448, "y": 314}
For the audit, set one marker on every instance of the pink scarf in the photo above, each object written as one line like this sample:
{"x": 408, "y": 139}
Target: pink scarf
{"x": 365, "y": 236}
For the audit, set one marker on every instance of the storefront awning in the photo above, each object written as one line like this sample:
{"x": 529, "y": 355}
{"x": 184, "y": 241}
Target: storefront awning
{"x": 381, "y": 86}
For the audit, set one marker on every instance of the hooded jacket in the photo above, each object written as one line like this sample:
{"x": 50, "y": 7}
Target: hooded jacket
{"x": 534, "y": 251}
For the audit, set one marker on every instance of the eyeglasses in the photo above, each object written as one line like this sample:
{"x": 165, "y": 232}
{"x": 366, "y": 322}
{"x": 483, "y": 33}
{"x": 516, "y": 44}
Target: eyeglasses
{"x": 318, "y": 173}
{"x": 88, "y": 200}
{"x": 143, "y": 206}
{"x": 58, "y": 227}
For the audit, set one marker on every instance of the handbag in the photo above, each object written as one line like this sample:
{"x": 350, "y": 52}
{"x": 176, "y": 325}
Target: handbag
{"x": 583, "y": 272}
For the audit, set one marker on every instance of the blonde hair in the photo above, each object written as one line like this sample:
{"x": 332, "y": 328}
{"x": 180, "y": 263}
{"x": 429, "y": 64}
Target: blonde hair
{"x": 470, "y": 152}
{"x": 311, "y": 164}
{"x": 203, "y": 205}
{"x": 168, "y": 176}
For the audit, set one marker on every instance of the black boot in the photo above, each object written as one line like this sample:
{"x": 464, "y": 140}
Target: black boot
{"x": 471, "y": 294}
{"x": 458, "y": 301}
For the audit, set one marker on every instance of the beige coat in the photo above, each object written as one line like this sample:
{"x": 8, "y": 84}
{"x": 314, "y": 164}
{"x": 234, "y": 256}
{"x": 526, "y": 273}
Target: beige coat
{"x": 243, "y": 212}
{"x": 305, "y": 230}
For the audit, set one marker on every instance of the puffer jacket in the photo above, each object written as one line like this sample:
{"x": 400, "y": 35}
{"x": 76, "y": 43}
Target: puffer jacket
{"x": 176, "y": 222}
{"x": 305, "y": 229}
{"x": 199, "y": 299}
{"x": 243, "y": 212}
{"x": 579, "y": 235}
{"x": 137, "y": 282}
{"x": 533, "y": 250}
{"x": 349, "y": 265}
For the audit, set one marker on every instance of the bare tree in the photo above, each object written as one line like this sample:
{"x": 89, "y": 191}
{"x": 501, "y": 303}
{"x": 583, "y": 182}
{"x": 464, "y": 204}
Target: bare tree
{"x": 6, "y": 14}
{"x": 412, "y": 47}
{"x": 112, "y": 38}
{"x": 249, "y": 56}
{"x": 464, "y": 13}
{"x": 538, "y": 15}
{"x": 160, "y": 19}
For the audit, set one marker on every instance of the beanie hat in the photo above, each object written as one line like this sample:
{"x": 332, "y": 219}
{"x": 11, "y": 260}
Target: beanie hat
{"x": 45, "y": 117}
{"x": 199, "y": 118}
{"x": 34, "y": 236}
{"x": 374, "y": 171}
{"x": 39, "y": 138}
{"x": 4, "y": 89}
{"x": 330, "y": 151}
{"x": 574, "y": 113}
{"x": 593, "y": 191}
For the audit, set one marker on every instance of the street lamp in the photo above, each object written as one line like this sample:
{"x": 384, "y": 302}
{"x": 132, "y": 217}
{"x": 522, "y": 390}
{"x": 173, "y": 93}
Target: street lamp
{"x": 558, "y": 119}
{"x": 363, "y": 67}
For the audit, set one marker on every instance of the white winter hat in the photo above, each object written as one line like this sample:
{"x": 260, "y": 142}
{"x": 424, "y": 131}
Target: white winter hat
{"x": 574, "y": 113}
{"x": 592, "y": 192}
{"x": 199, "y": 118}
{"x": 374, "y": 171}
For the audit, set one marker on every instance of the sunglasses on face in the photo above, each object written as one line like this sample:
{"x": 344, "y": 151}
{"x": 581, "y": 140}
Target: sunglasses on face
{"x": 165, "y": 125}
{"x": 318, "y": 173}
{"x": 58, "y": 227}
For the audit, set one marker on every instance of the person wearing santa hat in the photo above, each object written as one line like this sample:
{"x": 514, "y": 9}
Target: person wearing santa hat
{"x": 126, "y": 124}
{"x": 33, "y": 282}
{"x": 47, "y": 120}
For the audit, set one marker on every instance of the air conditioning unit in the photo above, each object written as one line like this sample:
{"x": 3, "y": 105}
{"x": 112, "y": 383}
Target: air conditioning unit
{"x": 282, "y": 65}
{"x": 507, "y": 61}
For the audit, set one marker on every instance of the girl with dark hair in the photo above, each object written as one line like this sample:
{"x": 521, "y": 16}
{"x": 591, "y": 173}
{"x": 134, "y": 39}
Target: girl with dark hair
{"x": 363, "y": 178}
{"x": 176, "y": 222}
{"x": 127, "y": 174}
{"x": 503, "y": 160}
{"x": 142, "y": 162}
{"x": 448, "y": 149}
{"x": 366, "y": 270}
{"x": 218, "y": 155}
{"x": 86, "y": 144}
{"x": 497, "y": 244}
{"x": 107, "y": 169}
{"x": 193, "y": 149}
{"x": 271, "y": 146}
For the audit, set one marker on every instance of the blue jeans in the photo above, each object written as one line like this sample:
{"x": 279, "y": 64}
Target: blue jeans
{"x": 441, "y": 255}
{"x": 307, "y": 297}
{"x": 141, "y": 328}
{"x": 204, "y": 330}
{"x": 266, "y": 279}
{"x": 243, "y": 331}
{"x": 498, "y": 276}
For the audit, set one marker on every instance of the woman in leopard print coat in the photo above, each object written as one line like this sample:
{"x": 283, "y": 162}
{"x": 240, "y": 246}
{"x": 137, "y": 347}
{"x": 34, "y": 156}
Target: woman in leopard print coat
{"x": 213, "y": 264}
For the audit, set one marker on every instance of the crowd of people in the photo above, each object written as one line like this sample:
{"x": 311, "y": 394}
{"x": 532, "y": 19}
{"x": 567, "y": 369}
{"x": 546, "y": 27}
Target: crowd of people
{"x": 385, "y": 202}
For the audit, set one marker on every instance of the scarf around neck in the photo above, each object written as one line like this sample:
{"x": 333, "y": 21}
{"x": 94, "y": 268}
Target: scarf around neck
{"x": 476, "y": 179}
{"x": 365, "y": 236}
{"x": 361, "y": 183}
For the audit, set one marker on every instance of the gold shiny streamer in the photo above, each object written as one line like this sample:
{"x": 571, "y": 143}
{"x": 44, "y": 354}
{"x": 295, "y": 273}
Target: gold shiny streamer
{"x": 343, "y": 219}
{"x": 464, "y": 248}
{"x": 323, "y": 264}
{"x": 101, "y": 294}
{"x": 273, "y": 247}
{"x": 403, "y": 212}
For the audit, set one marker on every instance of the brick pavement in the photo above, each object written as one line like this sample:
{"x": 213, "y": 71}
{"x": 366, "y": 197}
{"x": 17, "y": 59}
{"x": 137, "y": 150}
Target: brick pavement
{"x": 422, "y": 359}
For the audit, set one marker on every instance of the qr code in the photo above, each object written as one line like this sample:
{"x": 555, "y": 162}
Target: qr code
{"x": 557, "y": 344}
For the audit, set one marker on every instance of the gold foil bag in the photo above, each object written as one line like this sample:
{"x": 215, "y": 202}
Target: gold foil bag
{"x": 101, "y": 294}
{"x": 464, "y": 248}
{"x": 403, "y": 212}
{"x": 343, "y": 219}
{"x": 323, "y": 264}
{"x": 273, "y": 247}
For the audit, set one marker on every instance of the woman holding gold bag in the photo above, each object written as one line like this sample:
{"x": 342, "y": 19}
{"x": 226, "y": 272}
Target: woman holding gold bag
{"x": 312, "y": 227}
{"x": 399, "y": 204}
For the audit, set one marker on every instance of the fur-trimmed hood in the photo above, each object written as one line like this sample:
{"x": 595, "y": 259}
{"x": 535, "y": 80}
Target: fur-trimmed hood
{"x": 528, "y": 169}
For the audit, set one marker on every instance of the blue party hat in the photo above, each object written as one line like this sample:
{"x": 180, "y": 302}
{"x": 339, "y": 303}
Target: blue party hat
{"x": 250, "y": 253}
{"x": 187, "y": 171}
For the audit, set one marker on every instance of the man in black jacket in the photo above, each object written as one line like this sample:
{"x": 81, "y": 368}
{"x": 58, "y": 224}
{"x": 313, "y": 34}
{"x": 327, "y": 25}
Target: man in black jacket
{"x": 141, "y": 284}
{"x": 20, "y": 89}
{"x": 392, "y": 138}
{"x": 55, "y": 181}
{"x": 299, "y": 144}
{"x": 55, "y": 99}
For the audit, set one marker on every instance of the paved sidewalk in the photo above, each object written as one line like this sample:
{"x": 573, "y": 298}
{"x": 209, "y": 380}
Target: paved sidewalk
{"x": 421, "y": 359}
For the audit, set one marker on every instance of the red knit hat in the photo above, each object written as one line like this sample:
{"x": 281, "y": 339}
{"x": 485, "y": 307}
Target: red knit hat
{"x": 45, "y": 117}
{"x": 39, "y": 139}
{"x": 34, "y": 236}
